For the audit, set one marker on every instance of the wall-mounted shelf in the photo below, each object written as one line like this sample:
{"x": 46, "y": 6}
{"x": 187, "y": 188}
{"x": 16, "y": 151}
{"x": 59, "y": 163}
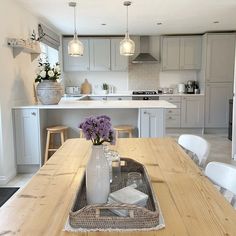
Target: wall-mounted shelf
{"x": 21, "y": 45}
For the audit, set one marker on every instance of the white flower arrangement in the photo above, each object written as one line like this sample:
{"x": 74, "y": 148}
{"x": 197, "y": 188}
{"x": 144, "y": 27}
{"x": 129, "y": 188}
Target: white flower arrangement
{"x": 46, "y": 72}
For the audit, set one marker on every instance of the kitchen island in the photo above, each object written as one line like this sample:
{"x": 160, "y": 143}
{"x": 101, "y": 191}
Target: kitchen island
{"x": 190, "y": 203}
{"x": 148, "y": 118}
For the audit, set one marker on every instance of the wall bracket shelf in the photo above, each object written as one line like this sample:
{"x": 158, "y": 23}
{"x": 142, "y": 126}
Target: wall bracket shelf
{"x": 20, "y": 45}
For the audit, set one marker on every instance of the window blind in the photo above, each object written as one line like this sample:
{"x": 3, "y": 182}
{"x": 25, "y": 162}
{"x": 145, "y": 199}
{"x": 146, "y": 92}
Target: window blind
{"x": 48, "y": 37}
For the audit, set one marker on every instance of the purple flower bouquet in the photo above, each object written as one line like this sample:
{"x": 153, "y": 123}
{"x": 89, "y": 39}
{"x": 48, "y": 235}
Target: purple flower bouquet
{"x": 98, "y": 129}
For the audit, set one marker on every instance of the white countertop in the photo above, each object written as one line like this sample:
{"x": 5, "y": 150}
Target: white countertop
{"x": 104, "y": 104}
{"x": 129, "y": 94}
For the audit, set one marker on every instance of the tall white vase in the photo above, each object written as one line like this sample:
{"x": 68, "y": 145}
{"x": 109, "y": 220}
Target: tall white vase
{"x": 97, "y": 177}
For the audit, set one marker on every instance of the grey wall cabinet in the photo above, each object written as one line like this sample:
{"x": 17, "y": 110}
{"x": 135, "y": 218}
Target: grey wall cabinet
{"x": 118, "y": 62}
{"x": 190, "y": 52}
{"x": 171, "y": 53}
{"x": 75, "y": 63}
{"x": 220, "y": 55}
{"x": 181, "y": 53}
{"x": 100, "y": 52}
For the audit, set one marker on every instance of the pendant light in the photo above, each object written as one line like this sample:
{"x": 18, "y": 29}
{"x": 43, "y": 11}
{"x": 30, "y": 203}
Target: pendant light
{"x": 75, "y": 46}
{"x": 127, "y": 46}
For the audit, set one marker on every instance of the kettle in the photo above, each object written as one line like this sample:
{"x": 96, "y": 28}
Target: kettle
{"x": 181, "y": 88}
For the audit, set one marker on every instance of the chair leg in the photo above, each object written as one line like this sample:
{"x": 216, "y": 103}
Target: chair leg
{"x": 47, "y": 147}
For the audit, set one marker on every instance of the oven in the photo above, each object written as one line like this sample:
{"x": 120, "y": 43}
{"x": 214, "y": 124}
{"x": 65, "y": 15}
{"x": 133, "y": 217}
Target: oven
{"x": 145, "y": 95}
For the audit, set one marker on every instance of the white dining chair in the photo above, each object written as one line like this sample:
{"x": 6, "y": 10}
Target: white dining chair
{"x": 223, "y": 175}
{"x": 197, "y": 148}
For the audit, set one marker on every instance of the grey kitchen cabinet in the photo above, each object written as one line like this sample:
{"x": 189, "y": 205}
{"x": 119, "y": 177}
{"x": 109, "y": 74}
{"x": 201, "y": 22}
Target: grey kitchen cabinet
{"x": 192, "y": 112}
{"x": 100, "y": 54}
{"x": 118, "y": 62}
{"x": 220, "y": 55}
{"x": 170, "y": 53}
{"x": 172, "y": 116}
{"x": 190, "y": 52}
{"x": 75, "y": 63}
{"x": 27, "y": 136}
{"x": 152, "y": 123}
{"x": 216, "y": 104}
{"x": 181, "y": 52}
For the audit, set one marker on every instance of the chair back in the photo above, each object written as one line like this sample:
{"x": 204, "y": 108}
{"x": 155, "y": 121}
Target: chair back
{"x": 197, "y": 145}
{"x": 222, "y": 174}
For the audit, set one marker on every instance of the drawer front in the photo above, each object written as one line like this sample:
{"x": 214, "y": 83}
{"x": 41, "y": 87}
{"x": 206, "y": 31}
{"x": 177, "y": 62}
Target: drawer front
{"x": 170, "y": 99}
{"x": 177, "y": 104}
{"x": 172, "y": 121}
{"x": 172, "y": 111}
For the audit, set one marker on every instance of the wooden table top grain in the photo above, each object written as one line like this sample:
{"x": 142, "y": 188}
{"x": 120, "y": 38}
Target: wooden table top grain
{"x": 190, "y": 203}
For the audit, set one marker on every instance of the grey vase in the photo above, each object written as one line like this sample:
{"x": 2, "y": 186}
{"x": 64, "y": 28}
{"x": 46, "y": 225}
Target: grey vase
{"x": 49, "y": 92}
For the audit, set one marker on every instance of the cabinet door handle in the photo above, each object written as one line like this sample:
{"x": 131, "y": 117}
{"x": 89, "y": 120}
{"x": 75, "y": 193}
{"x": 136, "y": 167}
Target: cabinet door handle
{"x": 33, "y": 113}
{"x": 170, "y": 118}
{"x": 170, "y": 99}
{"x": 146, "y": 113}
{"x": 169, "y": 111}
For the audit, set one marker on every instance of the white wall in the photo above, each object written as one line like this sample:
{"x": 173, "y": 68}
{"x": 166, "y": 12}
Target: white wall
{"x": 16, "y": 80}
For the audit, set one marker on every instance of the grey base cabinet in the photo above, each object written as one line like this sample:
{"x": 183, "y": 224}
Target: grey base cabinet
{"x": 27, "y": 136}
{"x": 152, "y": 123}
{"x": 192, "y": 112}
{"x": 217, "y": 100}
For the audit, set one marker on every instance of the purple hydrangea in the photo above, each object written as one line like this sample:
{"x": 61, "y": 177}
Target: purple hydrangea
{"x": 98, "y": 129}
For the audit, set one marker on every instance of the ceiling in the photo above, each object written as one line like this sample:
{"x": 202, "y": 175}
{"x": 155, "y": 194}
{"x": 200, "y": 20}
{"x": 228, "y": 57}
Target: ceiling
{"x": 177, "y": 17}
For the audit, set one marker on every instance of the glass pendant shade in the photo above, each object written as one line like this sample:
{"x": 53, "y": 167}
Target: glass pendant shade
{"x": 127, "y": 46}
{"x": 75, "y": 48}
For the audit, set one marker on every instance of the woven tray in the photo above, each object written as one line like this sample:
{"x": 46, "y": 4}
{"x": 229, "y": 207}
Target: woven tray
{"x": 100, "y": 217}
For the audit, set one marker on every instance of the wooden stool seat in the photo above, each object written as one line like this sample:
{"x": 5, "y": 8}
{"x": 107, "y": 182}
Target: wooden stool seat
{"x": 62, "y": 130}
{"x": 57, "y": 129}
{"x": 124, "y": 129}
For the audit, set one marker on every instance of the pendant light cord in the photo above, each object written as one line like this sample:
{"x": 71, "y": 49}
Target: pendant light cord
{"x": 75, "y": 22}
{"x": 127, "y": 21}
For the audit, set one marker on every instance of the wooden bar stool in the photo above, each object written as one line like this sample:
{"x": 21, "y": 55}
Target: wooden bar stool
{"x": 123, "y": 129}
{"x": 51, "y": 131}
{"x": 81, "y": 134}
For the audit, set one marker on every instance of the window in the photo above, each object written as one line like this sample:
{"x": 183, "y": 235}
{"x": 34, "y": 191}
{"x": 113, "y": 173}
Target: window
{"x": 49, "y": 53}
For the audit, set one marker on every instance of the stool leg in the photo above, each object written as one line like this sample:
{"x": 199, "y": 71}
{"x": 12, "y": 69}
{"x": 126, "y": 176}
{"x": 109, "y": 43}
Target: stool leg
{"x": 62, "y": 138}
{"x": 51, "y": 140}
{"x": 47, "y": 147}
{"x": 117, "y": 134}
{"x": 65, "y": 134}
{"x": 130, "y": 134}
{"x": 81, "y": 135}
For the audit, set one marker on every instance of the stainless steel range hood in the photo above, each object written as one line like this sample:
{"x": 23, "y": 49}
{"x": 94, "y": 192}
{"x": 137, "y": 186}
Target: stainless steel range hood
{"x": 144, "y": 55}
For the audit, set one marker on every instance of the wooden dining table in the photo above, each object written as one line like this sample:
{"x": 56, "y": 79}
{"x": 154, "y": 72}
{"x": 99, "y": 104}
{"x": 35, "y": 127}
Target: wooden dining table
{"x": 191, "y": 205}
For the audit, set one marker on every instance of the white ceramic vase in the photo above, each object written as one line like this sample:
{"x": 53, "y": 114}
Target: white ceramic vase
{"x": 97, "y": 177}
{"x": 49, "y": 92}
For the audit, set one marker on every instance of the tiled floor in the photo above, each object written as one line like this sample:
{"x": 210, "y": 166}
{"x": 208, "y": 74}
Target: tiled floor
{"x": 220, "y": 151}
